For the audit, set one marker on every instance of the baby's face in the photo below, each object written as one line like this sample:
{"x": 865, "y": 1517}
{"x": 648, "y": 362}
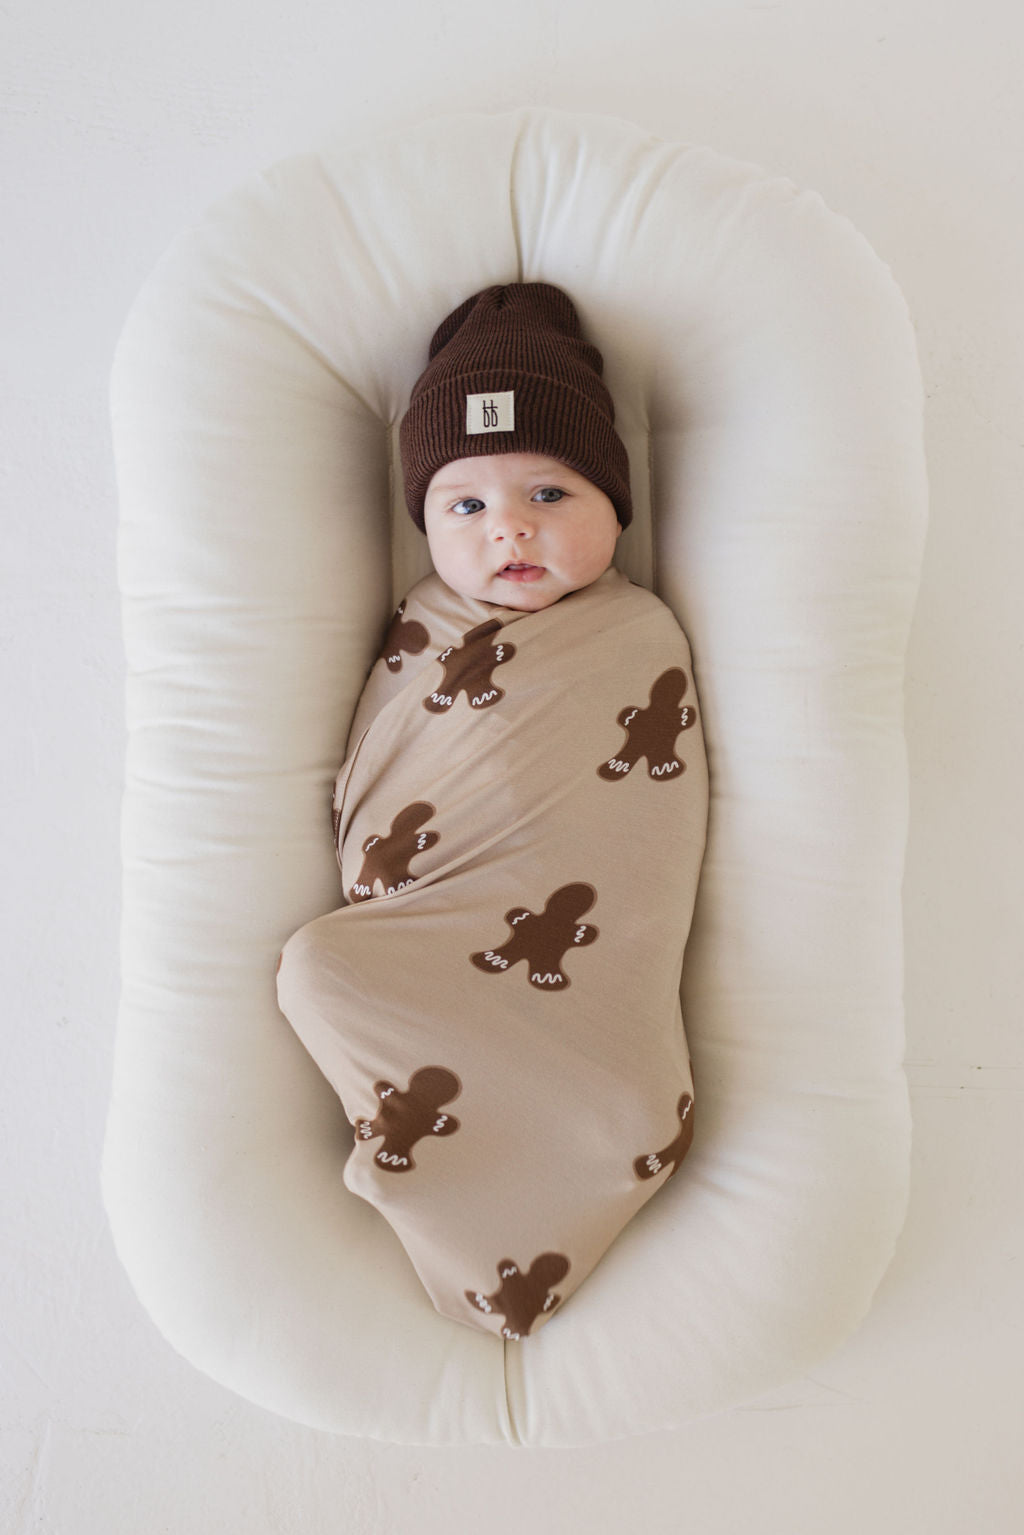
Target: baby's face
{"x": 518, "y": 529}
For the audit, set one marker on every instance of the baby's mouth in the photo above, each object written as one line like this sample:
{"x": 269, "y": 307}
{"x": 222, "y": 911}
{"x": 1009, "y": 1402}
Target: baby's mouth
{"x": 519, "y": 571}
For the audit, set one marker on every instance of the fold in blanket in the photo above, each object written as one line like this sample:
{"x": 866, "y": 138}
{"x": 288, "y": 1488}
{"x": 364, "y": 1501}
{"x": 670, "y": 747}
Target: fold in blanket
{"x": 520, "y": 823}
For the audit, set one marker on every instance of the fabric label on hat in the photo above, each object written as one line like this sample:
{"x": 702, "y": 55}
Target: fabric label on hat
{"x": 490, "y": 412}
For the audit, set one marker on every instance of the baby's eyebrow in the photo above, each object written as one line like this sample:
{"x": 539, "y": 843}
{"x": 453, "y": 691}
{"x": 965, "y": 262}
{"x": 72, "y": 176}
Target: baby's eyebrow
{"x": 447, "y": 486}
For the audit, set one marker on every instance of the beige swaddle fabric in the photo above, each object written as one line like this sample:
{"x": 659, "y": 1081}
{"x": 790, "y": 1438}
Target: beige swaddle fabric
{"x": 520, "y": 823}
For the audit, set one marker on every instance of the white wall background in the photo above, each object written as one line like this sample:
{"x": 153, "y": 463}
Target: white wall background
{"x": 121, "y": 123}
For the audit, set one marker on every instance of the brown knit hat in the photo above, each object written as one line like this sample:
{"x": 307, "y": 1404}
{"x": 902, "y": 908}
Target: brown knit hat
{"x": 509, "y": 372}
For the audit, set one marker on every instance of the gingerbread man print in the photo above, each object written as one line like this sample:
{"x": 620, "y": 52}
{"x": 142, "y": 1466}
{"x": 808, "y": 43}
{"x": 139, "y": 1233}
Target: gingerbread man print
{"x": 652, "y": 732}
{"x": 543, "y": 940}
{"x": 521, "y": 1298}
{"x": 468, "y": 668}
{"x": 671, "y": 1155}
{"x": 408, "y": 635}
{"x": 405, "y": 1118}
{"x": 386, "y": 859}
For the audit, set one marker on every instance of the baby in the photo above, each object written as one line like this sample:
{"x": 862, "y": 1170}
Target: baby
{"x": 516, "y": 1073}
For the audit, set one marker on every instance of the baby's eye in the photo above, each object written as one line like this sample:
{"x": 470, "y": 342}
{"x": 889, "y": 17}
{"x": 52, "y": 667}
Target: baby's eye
{"x": 467, "y": 505}
{"x": 549, "y": 493}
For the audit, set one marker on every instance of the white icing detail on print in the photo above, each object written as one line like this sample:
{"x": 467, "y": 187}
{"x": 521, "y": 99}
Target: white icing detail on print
{"x": 481, "y": 698}
{"x": 547, "y": 979}
{"x": 495, "y": 960}
{"x": 665, "y": 768}
{"x": 617, "y": 765}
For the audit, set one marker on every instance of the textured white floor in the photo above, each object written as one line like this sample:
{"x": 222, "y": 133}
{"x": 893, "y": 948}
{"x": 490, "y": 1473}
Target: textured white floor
{"x": 120, "y": 124}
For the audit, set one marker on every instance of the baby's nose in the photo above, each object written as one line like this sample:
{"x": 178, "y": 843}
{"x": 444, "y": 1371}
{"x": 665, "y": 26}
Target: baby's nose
{"x": 510, "y": 520}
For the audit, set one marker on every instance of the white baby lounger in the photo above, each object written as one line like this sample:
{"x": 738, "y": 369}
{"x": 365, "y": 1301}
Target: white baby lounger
{"x": 768, "y": 392}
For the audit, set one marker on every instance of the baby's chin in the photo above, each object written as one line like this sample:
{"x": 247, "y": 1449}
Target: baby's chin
{"x": 521, "y": 597}
{"x": 524, "y": 599}
{"x": 521, "y": 602}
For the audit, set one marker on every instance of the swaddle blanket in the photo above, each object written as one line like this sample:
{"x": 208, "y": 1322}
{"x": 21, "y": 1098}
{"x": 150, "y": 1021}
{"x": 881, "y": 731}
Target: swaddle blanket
{"x": 520, "y": 822}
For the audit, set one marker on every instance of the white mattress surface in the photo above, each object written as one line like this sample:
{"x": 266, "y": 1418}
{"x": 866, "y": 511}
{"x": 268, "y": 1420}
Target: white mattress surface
{"x": 767, "y": 386}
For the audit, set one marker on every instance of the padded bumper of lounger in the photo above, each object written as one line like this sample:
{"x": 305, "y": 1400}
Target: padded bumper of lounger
{"x": 768, "y": 390}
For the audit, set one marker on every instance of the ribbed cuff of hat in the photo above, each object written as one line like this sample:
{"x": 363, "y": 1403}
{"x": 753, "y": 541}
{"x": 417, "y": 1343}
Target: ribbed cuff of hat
{"x": 550, "y": 419}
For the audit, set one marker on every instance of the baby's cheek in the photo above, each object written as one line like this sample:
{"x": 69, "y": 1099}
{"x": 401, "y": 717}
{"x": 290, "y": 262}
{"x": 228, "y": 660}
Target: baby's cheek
{"x": 457, "y": 569}
{"x": 591, "y": 546}
{"x": 593, "y": 562}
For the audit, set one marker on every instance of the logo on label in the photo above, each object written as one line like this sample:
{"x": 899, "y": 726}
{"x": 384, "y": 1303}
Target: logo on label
{"x": 490, "y": 412}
